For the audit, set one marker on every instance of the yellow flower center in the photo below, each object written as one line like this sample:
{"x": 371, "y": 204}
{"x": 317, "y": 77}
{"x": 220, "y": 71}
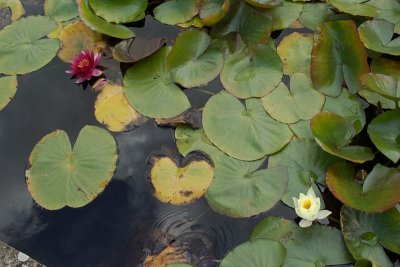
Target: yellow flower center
{"x": 83, "y": 63}
{"x": 306, "y": 203}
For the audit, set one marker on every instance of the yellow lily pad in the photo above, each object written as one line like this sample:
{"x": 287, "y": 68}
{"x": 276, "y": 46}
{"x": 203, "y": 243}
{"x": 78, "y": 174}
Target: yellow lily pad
{"x": 17, "y": 9}
{"x": 180, "y": 185}
{"x": 113, "y": 110}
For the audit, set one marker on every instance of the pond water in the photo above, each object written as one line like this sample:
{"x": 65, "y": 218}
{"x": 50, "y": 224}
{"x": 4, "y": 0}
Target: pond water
{"x": 125, "y": 222}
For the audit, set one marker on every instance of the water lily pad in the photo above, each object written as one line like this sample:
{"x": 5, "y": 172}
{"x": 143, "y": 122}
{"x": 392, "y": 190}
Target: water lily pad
{"x": 61, "y": 10}
{"x": 256, "y": 253}
{"x": 23, "y": 51}
{"x": 334, "y": 134}
{"x": 377, "y": 35}
{"x": 244, "y": 76}
{"x": 75, "y": 38}
{"x": 314, "y": 14}
{"x": 307, "y": 163}
{"x": 380, "y": 191}
{"x": 274, "y": 228}
{"x": 178, "y": 265}
{"x": 60, "y": 176}
{"x": 119, "y": 11}
{"x": 295, "y": 53}
{"x": 133, "y": 50}
{"x": 191, "y": 63}
{"x": 285, "y": 15}
{"x": 243, "y": 132}
{"x": 212, "y": 11}
{"x": 8, "y": 88}
{"x": 17, "y": 9}
{"x": 150, "y": 89}
{"x": 366, "y": 233}
{"x": 301, "y": 102}
{"x": 265, "y": 3}
{"x": 177, "y": 11}
{"x": 356, "y": 7}
{"x": 112, "y": 109}
{"x": 301, "y": 129}
{"x": 98, "y": 24}
{"x": 386, "y": 66}
{"x": 180, "y": 185}
{"x": 386, "y": 86}
{"x": 339, "y": 55}
{"x": 384, "y": 131}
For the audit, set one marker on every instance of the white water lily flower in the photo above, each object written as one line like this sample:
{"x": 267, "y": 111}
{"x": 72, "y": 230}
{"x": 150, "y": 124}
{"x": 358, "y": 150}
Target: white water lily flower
{"x": 308, "y": 208}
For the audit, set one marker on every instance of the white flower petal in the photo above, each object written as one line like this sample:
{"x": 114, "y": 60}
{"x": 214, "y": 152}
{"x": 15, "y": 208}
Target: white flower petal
{"x": 296, "y": 204}
{"x": 305, "y": 223}
{"x": 310, "y": 192}
{"x": 322, "y": 214}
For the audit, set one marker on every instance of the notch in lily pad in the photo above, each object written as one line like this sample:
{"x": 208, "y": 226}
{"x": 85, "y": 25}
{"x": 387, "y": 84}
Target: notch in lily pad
{"x": 60, "y": 176}
{"x": 8, "y": 88}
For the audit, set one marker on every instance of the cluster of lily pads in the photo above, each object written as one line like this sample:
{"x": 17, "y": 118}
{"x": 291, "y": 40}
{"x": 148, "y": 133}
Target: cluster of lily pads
{"x": 297, "y": 106}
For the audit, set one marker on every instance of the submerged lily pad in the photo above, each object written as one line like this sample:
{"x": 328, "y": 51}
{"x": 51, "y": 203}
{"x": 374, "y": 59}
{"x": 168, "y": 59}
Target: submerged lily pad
{"x": 61, "y": 10}
{"x": 339, "y": 55}
{"x": 60, "y": 176}
{"x": 301, "y": 102}
{"x": 17, "y": 9}
{"x": 314, "y": 14}
{"x": 334, "y": 134}
{"x": 8, "y": 88}
{"x": 377, "y": 35}
{"x": 384, "y": 132}
{"x": 191, "y": 63}
{"x": 119, "y": 11}
{"x": 133, "y": 50}
{"x": 23, "y": 51}
{"x": 180, "y": 185}
{"x": 98, "y": 24}
{"x": 112, "y": 109}
{"x": 366, "y": 233}
{"x": 212, "y": 11}
{"x": 244, "y": 76}
{"x": 150, "y": 89}
{"x": 243, "y": 132}
{"x": 177, "y": 11}
{"x": 285, "y": 15}
{"x": 380, "y": 191}
{"x": 256, "y": 253}
{"x": 386, "y": 66}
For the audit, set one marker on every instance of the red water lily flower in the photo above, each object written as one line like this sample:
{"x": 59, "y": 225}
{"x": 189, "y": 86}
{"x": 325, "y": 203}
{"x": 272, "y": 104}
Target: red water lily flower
{"x": 83, "y": 67}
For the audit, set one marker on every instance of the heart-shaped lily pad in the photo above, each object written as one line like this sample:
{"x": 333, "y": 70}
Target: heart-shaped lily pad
{"x": 177, "y": 11}
{"x": 60, "y": 176}
{"x": 384, "y": 131}
{"x": 285, "y": 15}
{"x": 256, "y": 253}
{"x": 244, "y": 76}
{"x": 377, "y": 35}
{"x": 61, "y": 10}
{"x": 338, "y": 55}
{"x": 314, "y": 14}
{"x": 301, "y": 102}
{"x": 212, "y": 11}
{"x": 386, "y": 86}
{"x": 180, "y": 185}
{"x": 366, "y": 233}
{"x": 17, "y": 9}
{"x": 8, "y": 88}
{"x": 380, "y": 191}
{"x": 306, "y": 162}
{"x": 334, "y": 134}
{"x": 243, "y": 132}
{"x": 295, "y": 53}
{"x": 112, "y": 109}
{"x": 150, "y": 89}
{"x": 356, "y": 7}
{"x": 23, "y": 51}
{"x": 119, "y": 11}
{"x": 191, "y": 63}
{"x": 98, "y": 24}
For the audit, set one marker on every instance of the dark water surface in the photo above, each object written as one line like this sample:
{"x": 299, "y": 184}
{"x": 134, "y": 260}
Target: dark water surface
{"x": 125, "y": 222}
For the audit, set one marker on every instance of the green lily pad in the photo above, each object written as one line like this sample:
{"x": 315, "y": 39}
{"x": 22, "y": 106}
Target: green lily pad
{"x": 265, "y": 3}
{"x": 366, "y": 233}
{"x": 377, "y": 35}
{"x": 377, "y": 100}
{"x": 177, "y": 11}
{"x": 61, "y": 10}
{"x": 295, "y": 53}
{"x": 314, "y": 14}
{"x": 285, "y": 15}
{"x": 386, "y": 66}
{"x": 243, "y": 132}
{"x": 119, "y": 11}
{"x": 307, "y": 163}
{"x": 380, "y": 191}
{"x": 384, "y": 132}
{"x": 334, "y": 134}
{"x": 133, "y": 50}
{"x": 180, "y": 185}
{"x": 356, "y": 7}
{"x": 274, "y": 228}
{"x": 301, "y": 129}
{"x": 98, "y": 24}
{"x": 386, "y": 86}
{"x": 23, "y": 51}
{"x": 150, "y": 89}
{"x": 8, "y": 88}
{"x": 339, "y": 55}
{"x": 301, "y": 102}
{"x": 60, "y": 176}
{"x": 17, "y": 9}
{"x": 191, "y": 63}
{"x": 244, "y": 76}
{"x": 256, "y": 253}
{"x": 212, "y": 11}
